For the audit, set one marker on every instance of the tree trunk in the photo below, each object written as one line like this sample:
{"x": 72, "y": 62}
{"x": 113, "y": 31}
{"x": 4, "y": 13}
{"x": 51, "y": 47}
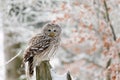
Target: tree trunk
{"x": 43, "y": 71}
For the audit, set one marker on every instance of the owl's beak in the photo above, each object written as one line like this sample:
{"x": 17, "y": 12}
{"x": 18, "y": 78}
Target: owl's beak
{"x": 52, "y": 34}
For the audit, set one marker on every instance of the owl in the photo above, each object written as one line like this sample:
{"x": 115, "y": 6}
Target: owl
{"x": 42, "y": 46}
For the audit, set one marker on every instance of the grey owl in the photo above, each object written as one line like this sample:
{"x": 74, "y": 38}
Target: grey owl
{"x": 42, "y": 46}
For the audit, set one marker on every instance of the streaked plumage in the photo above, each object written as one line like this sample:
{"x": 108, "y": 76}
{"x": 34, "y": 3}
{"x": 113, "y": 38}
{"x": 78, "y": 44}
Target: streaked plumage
{"x": 42, "y": 46}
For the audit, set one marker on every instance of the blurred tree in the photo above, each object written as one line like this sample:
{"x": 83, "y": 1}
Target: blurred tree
{"x": 20, "y": 19}
{"x": 11, "y": 43}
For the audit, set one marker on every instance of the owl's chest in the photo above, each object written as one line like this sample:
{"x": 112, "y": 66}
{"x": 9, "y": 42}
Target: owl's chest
{"x": 45, "y": 55}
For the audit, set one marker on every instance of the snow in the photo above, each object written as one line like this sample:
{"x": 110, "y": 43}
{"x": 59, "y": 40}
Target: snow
{"x": 58, "y": 77}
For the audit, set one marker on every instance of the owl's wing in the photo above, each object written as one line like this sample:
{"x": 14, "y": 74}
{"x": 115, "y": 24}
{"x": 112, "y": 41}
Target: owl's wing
{"x": 38, "y": 44}
{"x": 35, "y": 39}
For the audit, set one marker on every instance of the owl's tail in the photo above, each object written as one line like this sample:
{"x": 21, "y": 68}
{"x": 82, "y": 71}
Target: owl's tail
{"x": 29, "y": 68}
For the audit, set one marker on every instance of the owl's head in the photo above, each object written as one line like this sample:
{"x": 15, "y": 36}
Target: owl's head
{"x": 52, "y": 30}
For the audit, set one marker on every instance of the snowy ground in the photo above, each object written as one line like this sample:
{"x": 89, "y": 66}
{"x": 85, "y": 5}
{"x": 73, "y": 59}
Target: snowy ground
{"x": 1, "y": 53}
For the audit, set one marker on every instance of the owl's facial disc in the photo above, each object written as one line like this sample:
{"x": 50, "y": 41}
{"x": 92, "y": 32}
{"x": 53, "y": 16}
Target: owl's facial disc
{"x": 52, "y": 30}
{"x": 51, "y": 34}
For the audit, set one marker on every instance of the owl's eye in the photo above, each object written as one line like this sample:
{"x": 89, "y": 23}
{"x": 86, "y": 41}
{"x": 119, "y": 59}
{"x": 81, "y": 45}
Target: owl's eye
{"x": 54, "y": 30}
{"x": 49, "y": 30}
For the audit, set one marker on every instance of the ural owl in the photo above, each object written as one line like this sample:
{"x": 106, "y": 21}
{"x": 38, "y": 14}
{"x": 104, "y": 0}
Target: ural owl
{"x": 42, "y": 46}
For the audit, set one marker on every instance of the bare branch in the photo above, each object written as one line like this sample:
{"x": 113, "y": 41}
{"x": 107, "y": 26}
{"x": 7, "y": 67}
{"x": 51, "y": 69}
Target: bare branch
{"x": 114, "y": 36}
{"x": 14, "y": 57}
{"x": 109, "y": 21}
